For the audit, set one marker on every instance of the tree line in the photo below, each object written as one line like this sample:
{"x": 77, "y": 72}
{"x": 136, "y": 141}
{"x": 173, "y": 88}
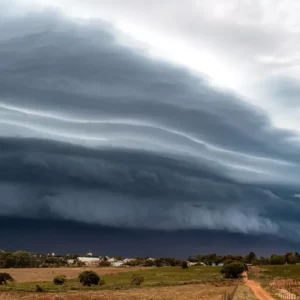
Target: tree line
{"x": 23, "y": 259}
{"x": 251, "y": 258}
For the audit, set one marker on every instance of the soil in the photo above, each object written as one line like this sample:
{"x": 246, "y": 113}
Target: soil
{"x": 258, "y": 291}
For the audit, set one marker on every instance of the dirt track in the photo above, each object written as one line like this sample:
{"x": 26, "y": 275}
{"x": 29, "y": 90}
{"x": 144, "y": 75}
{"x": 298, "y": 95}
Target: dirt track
{"x": 258, "y": 291}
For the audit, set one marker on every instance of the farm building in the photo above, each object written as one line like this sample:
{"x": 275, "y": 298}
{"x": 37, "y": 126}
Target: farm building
{"x": 89, "y": 261}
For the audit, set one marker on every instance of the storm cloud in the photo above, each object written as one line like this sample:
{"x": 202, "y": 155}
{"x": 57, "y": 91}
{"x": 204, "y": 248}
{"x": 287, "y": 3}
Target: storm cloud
{"x": 95, "y": 130}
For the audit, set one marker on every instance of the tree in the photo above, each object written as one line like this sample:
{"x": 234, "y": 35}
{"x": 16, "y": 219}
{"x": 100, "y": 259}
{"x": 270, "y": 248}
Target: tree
{"x": 104, "y": 263}
{"x": 291, "y": 258}
{"x": 277, "y": 259}
{"x": 149, "y": 263}
{"x": 89, "y": 278}
{"x": 119, "y": 257}
{"x": 160, "y": 262}
{"x": 233, "y": 269}
{"x": 59, "y": 279}
{"x": 250, "y": 258}
{"x": 4, "y": 277}
{"x": 184, "y": 265}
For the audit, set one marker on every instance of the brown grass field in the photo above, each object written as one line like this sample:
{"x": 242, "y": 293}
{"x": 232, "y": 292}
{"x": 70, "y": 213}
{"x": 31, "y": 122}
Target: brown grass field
{"x": 47, "y": 274}
{"x": 187, "y": 292}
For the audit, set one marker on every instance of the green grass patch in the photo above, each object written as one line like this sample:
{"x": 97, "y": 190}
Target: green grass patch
{"x": 267, "y": 273}
{"x": 283, "y": 271}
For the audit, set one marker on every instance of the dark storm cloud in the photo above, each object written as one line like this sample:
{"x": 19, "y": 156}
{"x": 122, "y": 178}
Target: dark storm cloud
{"x": 95, "y": 131}
{"x": 130, "y": 188}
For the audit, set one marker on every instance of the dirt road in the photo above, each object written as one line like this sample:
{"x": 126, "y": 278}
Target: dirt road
{"x": 258, "y": 291}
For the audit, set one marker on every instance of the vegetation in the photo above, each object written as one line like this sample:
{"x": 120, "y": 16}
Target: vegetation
{"x": 104, "y": 263}
{"x": 39, "y": 289}
{"x": 251, "y": 258}
{"x": 102, "y": 282}
{"x": 88, "y": 278}
{"x": 181, "y": 292}
{"x": 59, "y": 279}
{"x": 267, "y": 273}
{"x": 233, "y": 269}
{"x": 184, "y": 265}
{"x": 155, "y": 277}
{"x": 23, "y": 259}
{"x": 4, "y": 277}
{"x": 137, "y": 279}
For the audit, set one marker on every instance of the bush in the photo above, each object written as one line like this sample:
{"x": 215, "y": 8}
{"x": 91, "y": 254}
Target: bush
{"x": 233, "y": 269}
{"x": 89, "y": 278}
{"x": 184, "y": 265}
{"x": 149, "y": 263}
{"x": 4, "y": 277}
{"x": 137, "y": 279}
{"x": 59, "y": 280}
{"x": 104, "y": 263}
{"x": 39, "y": 289}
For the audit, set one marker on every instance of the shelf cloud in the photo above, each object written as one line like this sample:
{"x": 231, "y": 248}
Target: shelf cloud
{"x": 93, "y": 129}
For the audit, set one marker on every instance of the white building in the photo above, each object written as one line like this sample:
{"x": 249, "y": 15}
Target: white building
{"x": 117, "y": 263}
{"x": 111, "y": 260}
{"x": 190, "y": 263}
{"x": 126, "y": 260}
{"x": 89, "y": 261}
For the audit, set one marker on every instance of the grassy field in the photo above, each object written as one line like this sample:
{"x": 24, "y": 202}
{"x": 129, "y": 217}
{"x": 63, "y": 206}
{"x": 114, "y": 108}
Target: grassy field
{"x": 115, "y": 279}
{"x": 47, "y": 274}
{"x": 278, "y": 280}
{"x": 184, "y": 292}
{"x": 268, "y": 273}
{"x": 160, "y": 283}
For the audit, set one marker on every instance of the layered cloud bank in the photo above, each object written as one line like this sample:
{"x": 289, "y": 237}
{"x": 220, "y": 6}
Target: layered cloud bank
{"x": 96, "y": 131}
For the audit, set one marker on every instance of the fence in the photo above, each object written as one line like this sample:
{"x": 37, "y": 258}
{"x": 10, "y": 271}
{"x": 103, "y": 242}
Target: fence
{"x": 227, "y": 295}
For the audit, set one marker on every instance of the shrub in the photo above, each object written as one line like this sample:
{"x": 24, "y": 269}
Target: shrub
{"x": 39, "y": 289}
{"x": 137, "y": 279}
{"x": 104, "y": 263}
{"x": 149, "y": 263}
{"x": 184, "y": 265}
{"x": 59, "y": 279}
{"x": 160, "y": 262}
{"x": 89, "y": 278}
{"x": 4, "y": 277}
{"x": 233, "y": 269}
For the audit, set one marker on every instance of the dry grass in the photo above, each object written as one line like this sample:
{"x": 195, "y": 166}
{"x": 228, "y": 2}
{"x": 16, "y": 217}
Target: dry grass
{"x": 279, "y": 280}
{"x": 188, "y": 292}
{"x": 47, "y": 274}
{"x": 244, "y": 293}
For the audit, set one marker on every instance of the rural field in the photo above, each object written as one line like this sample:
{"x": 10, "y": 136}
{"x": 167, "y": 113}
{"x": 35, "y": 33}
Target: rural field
{"x": 280, "y": 281}
{"x": 186, "y": 292}
{"x": 160, "y": 283}
{"x": 47, "y": 274}
{"x": 166, "y": 283}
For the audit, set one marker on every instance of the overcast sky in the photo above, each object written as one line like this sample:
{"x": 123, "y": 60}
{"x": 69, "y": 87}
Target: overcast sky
{"x": 156, "y": 115}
